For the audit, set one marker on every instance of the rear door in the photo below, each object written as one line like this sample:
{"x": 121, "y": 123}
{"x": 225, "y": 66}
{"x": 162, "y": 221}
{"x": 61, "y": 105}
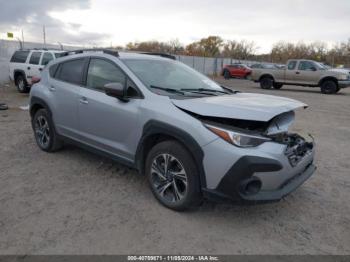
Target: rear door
{"x": 234, "y": 70}
{"x": 105, "y": 122}
{"x": 34, "y": 65}
{"x": 291, "y": 71}
{"x": 65, "y": 87}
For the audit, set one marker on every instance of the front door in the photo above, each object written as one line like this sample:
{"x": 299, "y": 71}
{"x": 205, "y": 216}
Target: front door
{"x": 106, "y": 122}
{"x": 307, "y": 73}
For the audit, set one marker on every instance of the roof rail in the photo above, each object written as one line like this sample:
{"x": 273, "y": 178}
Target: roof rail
{"x": 165, "y": 55}
{"x": 80, "y": 51}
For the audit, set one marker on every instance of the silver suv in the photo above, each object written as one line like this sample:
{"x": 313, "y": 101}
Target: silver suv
{"x": 191, "y": 137}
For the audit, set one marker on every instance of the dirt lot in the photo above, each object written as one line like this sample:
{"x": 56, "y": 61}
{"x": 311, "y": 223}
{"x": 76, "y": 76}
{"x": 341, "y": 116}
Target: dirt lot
{"x": 74, "y": 202}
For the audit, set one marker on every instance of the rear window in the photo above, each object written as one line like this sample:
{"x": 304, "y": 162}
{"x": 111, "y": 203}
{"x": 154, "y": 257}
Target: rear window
{"x": 19, "y": 57}
{"x": 35, "y": 58}
{"x": 71, "y": 71}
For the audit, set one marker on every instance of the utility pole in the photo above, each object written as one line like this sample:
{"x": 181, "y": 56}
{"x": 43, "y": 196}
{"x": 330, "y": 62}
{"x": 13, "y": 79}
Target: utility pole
{"x": 22, "y": 39}
{"x": 44, "y": 34}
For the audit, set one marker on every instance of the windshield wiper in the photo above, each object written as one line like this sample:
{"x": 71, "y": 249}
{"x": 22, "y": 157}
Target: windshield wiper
{"x": 203, "y": 90}
{"x": 170, "y": 90}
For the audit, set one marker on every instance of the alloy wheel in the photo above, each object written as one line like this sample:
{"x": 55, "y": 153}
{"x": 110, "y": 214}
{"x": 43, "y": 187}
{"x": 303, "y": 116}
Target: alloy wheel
{"x": 20, "y": 84}
{"x": 169, "y": 178}
{"x": 42, "y": 131}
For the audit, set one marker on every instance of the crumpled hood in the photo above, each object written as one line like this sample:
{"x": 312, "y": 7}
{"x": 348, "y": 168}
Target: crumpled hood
{"x": 246, "y": 106}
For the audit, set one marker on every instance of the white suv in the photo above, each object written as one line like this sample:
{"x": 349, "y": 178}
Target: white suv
{"x": 25, "y": 64}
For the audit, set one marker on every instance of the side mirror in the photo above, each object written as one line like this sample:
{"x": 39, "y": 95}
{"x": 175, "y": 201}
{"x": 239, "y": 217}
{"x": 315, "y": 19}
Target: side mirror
{"x": 313, "y": 68}
{"x": 116, "y": 90}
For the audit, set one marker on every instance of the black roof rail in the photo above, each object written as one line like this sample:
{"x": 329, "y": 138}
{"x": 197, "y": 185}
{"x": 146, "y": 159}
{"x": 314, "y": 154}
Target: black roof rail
{"x": 165, "y": 55}
{"x": 80, "y": 51}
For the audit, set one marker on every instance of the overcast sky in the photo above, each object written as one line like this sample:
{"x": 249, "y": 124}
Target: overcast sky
{"x": 102, "y": 22}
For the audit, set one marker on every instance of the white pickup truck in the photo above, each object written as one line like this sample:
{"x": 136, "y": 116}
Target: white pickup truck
{"x": 303, "y": 73}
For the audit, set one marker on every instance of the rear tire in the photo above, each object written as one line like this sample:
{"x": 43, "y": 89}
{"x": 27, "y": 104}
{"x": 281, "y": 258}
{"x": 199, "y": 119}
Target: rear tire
{"x": 329, "y": 87}
{"x": 266, "y": 82}
{"x": 44, "y": 132}
{"x": 21, "y": 84}
{"x": 227, "y": 74}
{"x": 173, "y": 176}
{"x": 277, "y": 86}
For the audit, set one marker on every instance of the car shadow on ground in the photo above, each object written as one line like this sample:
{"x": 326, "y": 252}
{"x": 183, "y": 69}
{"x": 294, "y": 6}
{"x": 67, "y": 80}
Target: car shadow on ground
{"x": 103, "y": 167}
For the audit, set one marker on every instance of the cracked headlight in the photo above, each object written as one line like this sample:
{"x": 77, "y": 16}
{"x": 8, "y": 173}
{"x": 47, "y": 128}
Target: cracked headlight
{"x": 237, "y": 138}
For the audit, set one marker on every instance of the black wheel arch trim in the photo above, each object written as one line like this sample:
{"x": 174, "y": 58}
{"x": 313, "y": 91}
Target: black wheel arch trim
{"x": 331, "y": 78}
{"x": 20, "y": 71}
{"x": 34, "y": 101}
{"x": 155, "y": 127}
{"x": 267, "y": 75}
{"x": 242, "y": 170}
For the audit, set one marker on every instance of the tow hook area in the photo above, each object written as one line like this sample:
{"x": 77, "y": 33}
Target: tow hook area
{"x": 251, "y": 186}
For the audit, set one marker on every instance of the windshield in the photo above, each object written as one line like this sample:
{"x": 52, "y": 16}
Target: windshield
{"x": 170, "y": 74}
{"x": 321, "y": 66}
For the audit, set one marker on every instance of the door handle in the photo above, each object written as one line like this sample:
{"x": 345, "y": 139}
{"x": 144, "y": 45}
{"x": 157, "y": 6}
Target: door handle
{"x": 40, "y": 69}
{"x": 52, "y": 88}
{"x": 298, "y": 73}
{"x": 28, "y": 67}
{"x": 83, "y": 100}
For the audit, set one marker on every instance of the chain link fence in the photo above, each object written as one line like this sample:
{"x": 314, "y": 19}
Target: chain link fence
{"x": 206, "y": 65}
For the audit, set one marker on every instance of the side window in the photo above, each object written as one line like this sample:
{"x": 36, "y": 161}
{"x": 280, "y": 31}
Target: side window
{"x": 292, "y": 65}
{"x": 53, "y": 69}
{"x": 102, "y": 72}
{"x": 47, "y": 57}
{"x": 35, "y": 58}
{"x": 71, "y": 71}
{"x": 306, "y": 66}
{"x": 19, "y": 57}
{"x": 132, "y": 90}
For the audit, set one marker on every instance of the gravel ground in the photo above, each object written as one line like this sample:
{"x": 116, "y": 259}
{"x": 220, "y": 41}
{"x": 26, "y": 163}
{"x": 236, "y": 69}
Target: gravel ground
{"x": 74, "y": 202}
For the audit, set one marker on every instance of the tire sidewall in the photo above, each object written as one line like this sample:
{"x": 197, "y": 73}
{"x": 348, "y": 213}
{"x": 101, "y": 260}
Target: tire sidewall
{"x": 277, "y": 86}
{"x": 25, "y": 88}
{"x": 45, "y": 114}
{"x": 329, "y": 87}
{"x": 266, "y": 83}
{"x": 193, "y": 196}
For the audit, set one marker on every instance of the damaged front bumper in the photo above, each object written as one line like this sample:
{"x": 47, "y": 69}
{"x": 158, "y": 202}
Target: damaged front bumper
{"x": 262, "y": 174}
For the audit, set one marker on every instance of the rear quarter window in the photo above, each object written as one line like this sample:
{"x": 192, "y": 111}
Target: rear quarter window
{"x": 53, "y": 69}
{"x": 292, "y": 65}
{"x": 19, "y": 57}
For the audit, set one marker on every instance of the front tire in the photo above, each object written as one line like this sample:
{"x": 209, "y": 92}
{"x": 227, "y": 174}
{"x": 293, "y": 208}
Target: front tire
{"x": 21, "y": 84}
{"x": 173, "y": 176}
{"x": 266, "y": 82}
{"x": 44, "y": 132}
{"x": 329, "y": 87}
